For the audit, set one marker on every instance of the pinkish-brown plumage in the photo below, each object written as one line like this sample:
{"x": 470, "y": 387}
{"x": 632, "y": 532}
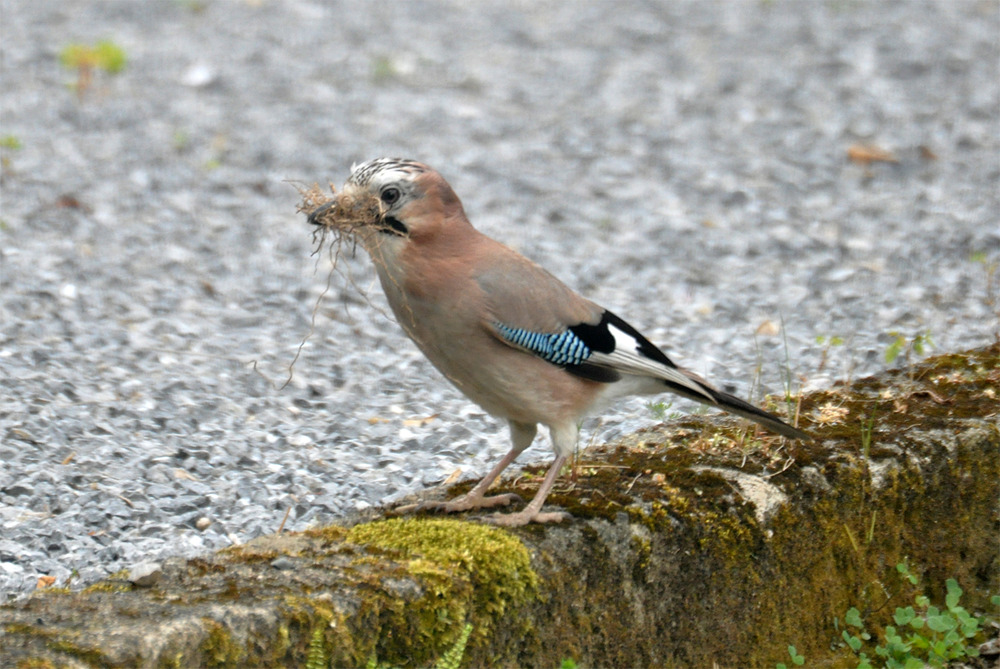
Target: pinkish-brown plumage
{"x": 509, "y": 335}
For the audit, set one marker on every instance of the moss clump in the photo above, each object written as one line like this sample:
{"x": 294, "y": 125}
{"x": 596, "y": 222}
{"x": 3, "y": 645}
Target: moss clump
{"x": 329, "y": 533}
{"x": 219, "y": 649}
{"x": 248, "y": 555}
{"x": 35, "y": 663}
{"x": 498, "y": 562}
{"x": 470, "y": 573}
{"x": 116, "y": 582}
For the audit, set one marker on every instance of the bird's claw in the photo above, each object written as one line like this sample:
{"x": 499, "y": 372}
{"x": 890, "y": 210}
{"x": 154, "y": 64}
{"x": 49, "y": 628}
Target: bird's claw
{"x": 460, "y": 504}
{"x": 524, "y": 517}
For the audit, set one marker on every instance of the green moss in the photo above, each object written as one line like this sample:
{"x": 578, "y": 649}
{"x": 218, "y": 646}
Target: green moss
{"x": 117, "y": 582}
{"x": 168, "y": 661}
{"x": 35, "y": 663}
{"x": 59, "y": 641}
{"x": 219, "y": 649}
{"x": 330, "y": 533}
{"x": 54, "y": 590}
{"x": 642, "y": 547}
{"x": 24, "y": 630}
{"x": 108, "y": 586}
{"x": 468, "y": 573}
{"x": 303, "y": 616}
{"x": 248, "y": 555}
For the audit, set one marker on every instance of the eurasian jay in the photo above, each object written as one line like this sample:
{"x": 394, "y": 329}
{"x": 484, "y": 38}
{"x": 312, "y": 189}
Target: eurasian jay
{"x": 512, "y": 337}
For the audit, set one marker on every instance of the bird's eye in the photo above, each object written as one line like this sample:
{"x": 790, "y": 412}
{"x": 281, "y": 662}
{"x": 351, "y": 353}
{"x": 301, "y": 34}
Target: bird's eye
{"x": 390, "y": 196}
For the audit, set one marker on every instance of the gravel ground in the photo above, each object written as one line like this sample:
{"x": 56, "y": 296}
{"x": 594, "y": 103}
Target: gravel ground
{"x": 684, "y": 164}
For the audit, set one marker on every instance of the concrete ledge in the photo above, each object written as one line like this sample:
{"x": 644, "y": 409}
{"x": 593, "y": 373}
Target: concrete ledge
{"x": 690, "y": 544}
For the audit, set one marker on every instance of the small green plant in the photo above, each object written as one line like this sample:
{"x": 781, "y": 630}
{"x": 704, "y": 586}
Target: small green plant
{"x": 900, "y": 344}
{"x": 792, "y": 399}
{"x": 181, "y": 139}
{"x": 383, "y": 70}
{"x": 8, "y": 143}
{"x": 193, "y": 6}
{"x": 867, "y": 428}
{"x": 317, "y": 659}
{"x": 567, "y": 663}
{"x": 924, "y": 635}
{"x": 85, "y": 59}
{"x": 797, "y": 660}
{"x": 659, "y": 409}
{"x": 452, "y": 658}
{"x": 827, "y": 343}
{"x": 990, "y": 268}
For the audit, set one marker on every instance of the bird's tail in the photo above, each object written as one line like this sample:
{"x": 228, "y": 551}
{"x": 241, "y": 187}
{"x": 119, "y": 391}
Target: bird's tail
{"x": 735, "y": 405}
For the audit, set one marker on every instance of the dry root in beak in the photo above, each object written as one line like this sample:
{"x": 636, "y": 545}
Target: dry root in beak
{"x": 342, "y": 213}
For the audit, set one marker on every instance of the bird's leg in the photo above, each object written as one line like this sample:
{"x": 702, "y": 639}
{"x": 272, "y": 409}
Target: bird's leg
{"x": 564, "y": 436}
{"x": 533, "y": 512}
{"x": 521, "y": 434}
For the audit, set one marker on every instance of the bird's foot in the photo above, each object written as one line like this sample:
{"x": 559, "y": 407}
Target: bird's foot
{"x": 527, "y": 516}
{"x": 463, "y": 503}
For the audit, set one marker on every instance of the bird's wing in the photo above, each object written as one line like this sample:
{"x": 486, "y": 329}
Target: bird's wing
{"x": 529, "y": 309}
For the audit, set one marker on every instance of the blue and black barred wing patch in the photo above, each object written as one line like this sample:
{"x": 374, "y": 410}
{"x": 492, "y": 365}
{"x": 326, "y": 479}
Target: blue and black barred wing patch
{"x": 604, "y": 351}
{"x": 565, "y": 349}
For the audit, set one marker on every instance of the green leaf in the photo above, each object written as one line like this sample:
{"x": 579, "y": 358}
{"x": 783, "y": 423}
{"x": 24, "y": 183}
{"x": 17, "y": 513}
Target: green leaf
{"x": 954, "y": 593}
{"x": 893, "y": 350}
{"x": 941, "y": 623}
{"x": 852, "y": 641}
{"x": 73, "y": 55}
{"x": 853, "y": 617}
{"x": 904, "y": 616}
{"x": 109, "y": 56}
{"x": 105, "y": 55}
{"x": 904, "y": 571}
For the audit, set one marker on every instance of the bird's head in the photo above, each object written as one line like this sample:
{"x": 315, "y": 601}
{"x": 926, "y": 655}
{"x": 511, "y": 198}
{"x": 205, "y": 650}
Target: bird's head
{"x": 392, "y": 201}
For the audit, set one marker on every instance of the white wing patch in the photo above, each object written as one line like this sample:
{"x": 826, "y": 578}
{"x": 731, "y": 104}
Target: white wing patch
{"x": 627, "y": 358}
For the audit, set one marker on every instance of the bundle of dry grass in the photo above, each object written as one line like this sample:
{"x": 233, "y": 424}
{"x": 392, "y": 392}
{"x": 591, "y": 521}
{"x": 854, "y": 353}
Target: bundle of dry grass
{"x": 341, "y": 213}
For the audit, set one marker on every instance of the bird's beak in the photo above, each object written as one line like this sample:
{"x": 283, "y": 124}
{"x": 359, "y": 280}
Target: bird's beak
{"x": 316, "y": 215}
{"x": 347, "y": 211}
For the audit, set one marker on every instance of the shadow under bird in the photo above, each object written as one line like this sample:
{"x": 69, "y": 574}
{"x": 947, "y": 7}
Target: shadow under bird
{"x": 512, "y": 337}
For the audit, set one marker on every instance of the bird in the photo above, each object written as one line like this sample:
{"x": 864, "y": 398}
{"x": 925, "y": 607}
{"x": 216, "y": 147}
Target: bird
{"x": 509, "y": 335}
